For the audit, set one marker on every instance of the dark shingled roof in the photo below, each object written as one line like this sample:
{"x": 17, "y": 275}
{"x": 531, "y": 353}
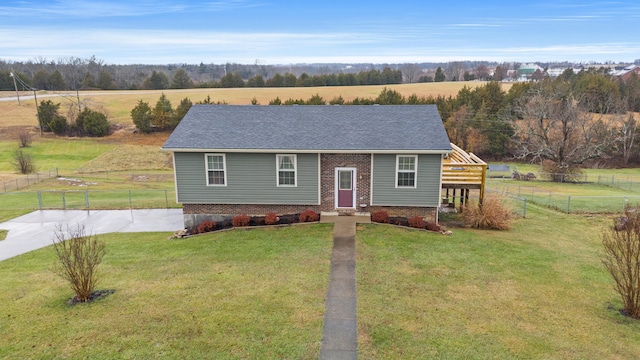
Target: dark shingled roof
{"x": 349, "y": 128}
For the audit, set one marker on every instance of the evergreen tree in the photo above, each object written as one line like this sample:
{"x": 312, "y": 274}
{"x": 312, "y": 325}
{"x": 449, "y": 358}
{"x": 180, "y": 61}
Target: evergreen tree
{"x": 142, "y": 116}
{"x": 439, "y": 77}
{"x": 181, "y": 80}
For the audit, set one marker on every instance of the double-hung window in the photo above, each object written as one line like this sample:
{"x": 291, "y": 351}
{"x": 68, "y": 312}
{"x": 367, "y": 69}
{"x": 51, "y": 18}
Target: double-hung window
{"x": 406, "y": 169}
{"x": 286, "y": 168}
{"x": 216, "y": 169}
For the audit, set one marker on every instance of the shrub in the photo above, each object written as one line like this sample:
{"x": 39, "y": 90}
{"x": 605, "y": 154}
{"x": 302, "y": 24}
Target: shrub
{"x": 22, "y": 162}
{"x": 92, "y": 123}
{"x": 309, "y": 216}
{"x": 380, "y": 217}
{"x": 24, "y": 139}
{"x": 206, "y": 226}
{"x": 433, "y": 227}
{"x": 622, "y": 260}
{"x": 58, "y": 124}
{"x": 417, "y": 222}
{"x": 271, "y": 218}
{"x": 241, "y": 220}
{"x": 79, "y": 255}
{"x": 492, "y": 214}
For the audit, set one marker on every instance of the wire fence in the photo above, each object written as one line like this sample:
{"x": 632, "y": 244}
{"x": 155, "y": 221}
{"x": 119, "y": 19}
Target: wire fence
{"x": 569, "y": 203}
{"x": 89, "y": 199}
{"x": 25, "y": 181}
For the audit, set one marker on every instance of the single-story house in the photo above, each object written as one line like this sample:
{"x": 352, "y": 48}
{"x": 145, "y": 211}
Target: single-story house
{"x": 231, "y": 159}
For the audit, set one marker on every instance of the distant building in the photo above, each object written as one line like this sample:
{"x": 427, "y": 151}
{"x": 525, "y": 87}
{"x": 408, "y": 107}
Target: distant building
{"x": 526, "y": 71}
{"x": 626, "y": 72}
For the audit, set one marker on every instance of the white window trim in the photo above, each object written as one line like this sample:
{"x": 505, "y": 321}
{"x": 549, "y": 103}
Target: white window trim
{"x": 415, "y": 171}
{"x": 224, "y": 170}
{"x": 295, "y": 170}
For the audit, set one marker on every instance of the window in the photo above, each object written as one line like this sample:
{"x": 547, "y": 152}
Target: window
{"x": 406, "y": 166}
{"x": 216, "y": 169}
{"x": 286, "y": 167}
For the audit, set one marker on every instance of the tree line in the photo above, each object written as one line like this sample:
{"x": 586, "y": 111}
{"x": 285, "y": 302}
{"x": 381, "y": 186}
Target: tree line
{"x": 563, "y": 124}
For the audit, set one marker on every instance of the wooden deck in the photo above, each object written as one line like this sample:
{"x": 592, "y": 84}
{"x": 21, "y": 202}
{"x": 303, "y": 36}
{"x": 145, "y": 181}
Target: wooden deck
{"x": 464, "y": 171}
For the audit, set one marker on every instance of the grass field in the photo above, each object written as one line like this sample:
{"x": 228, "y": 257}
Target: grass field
{"x": 255, "y": 294}
{"x": 531, "y": 292}
{"x": 118, "y": 104}
{"x": 534, "y": 292}
{"x": 54, "y": 152}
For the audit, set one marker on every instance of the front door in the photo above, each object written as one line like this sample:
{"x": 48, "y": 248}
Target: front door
{"x": 345, "y": 186}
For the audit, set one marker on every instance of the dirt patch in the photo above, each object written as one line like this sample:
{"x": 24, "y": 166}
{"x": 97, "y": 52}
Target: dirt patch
{"x": 128, "y": 134}
{"x": 96, "y": 295}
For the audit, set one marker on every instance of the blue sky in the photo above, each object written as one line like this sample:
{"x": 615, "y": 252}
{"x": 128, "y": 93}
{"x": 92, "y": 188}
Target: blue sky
{"x": 286, "y": 32}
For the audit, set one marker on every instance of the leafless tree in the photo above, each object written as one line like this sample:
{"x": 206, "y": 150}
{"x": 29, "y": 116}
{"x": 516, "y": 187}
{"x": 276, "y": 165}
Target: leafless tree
{"x": 551, "y": 127}
{"x": 627, "y": 133}
{"x": 411, "y": 72}
{"x": 454, "y": 70}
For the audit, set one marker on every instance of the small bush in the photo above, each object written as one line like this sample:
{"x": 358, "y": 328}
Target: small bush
{"x": 380, "y": 217}
{"x": 417, "y": 222}
{"x": 79, "y": 255}
{"x": 241, "y": 220}
{"x": 309, "y": 216}
{"x": 492, "y": 214}
{"x": 271, "y": 218}
{"x": 206, "y": 226}
{"x": 433, "y": 227}
{"x": 58, "y": 125}
{"x": 24, "y": 139}
{"x": 622, "y": 260}
{"x": 22, "y": 162}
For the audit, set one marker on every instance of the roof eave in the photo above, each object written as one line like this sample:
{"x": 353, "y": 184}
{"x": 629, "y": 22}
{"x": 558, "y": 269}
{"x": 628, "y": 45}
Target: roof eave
{"x": 315, "y": 151}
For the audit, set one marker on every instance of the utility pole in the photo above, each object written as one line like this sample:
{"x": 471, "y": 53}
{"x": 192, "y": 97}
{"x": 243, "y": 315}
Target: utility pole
{"x": 37, "y": 110}
{"x": 15, "y": 86}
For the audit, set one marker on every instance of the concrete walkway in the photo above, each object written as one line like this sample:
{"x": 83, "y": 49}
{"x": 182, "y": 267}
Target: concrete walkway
{"x": 35, "y": 230}
{"x": 340, "y": 326}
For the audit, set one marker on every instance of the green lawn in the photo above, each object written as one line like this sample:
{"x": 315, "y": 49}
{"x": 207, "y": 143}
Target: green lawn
{"x": 537, "y": 291}
{"x": 3, "y": 234}
{"x": 52, "y": 153}
{"x": 248, "y": 294}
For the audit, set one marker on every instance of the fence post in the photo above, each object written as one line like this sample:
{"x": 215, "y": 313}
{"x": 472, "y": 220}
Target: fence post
{"x": 568, "y": 204}
{"x": 518, "y": 190}
{"x": 624, "y": 205}
{"x": 166, "y": 198}
{"x": 130, "y": 205}
{"x": 524, "y": 211}
{"x": 56, "y": 172}
{"x": 64, "y": 202}
{"x": 613, "y": 179}
{"x": 4, "y": 183}
{"x": 532, "y": 191}
{"x": 39, "y": 199}
{"x": 86, "y": 199}
{"x": 549, "y": 202}
{"x": 599, "y": 179}
{"x": 17, "y": 187}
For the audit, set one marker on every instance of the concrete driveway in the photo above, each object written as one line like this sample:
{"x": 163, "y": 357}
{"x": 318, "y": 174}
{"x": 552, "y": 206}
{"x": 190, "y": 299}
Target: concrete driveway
{"x": 35, "y": 230}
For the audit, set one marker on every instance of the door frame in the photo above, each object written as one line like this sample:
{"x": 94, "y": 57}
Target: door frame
{"x": 353, "y": 186}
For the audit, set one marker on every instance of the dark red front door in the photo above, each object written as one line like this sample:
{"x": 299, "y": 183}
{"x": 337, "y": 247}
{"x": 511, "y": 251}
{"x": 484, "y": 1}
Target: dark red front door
{"x": 345, "y": 188}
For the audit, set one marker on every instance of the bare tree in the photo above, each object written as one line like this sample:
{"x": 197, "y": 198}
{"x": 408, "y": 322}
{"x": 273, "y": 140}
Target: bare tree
{"x": 627, "y": 133}
{"x": 550, "y": 126}
{"x": 79, "y": 255}
{"x": 454, "y": 70}
{"x": 411, "y": 72}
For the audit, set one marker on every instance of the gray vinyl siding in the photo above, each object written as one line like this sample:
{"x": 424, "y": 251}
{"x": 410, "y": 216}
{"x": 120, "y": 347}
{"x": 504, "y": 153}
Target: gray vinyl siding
{"x": 251, "y": 179}
{"x": 426, "y": 192}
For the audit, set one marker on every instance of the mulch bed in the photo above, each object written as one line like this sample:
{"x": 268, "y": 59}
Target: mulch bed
{"x": 96, "y": 295}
